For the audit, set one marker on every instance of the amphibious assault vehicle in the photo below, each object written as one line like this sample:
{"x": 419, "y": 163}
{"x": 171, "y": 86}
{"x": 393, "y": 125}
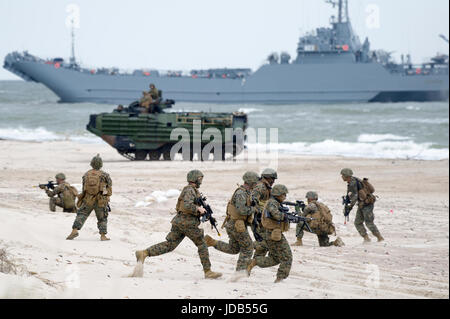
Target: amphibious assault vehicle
{"x": 139, "y": 134}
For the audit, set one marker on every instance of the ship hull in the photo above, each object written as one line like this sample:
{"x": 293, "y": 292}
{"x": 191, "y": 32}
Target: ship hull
{"x": 288, "y": 83}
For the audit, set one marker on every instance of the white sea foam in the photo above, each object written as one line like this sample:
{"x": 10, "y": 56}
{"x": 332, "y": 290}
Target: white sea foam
{"x": 248, "y": 110}
{"x": 413, "y": 108}
{"x": 41, "y": 134}
{"x": 26, "y": 134}
{"x": 384, "y": 149}
{"x": 371, "y": 138}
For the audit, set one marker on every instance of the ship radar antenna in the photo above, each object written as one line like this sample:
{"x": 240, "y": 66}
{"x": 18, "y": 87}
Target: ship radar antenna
{"x": 342, "y": 9}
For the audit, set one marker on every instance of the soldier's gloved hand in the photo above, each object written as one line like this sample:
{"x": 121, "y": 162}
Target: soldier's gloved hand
{"x": 201, "y": 210}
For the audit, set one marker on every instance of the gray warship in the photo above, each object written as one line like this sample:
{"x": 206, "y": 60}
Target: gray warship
{"x": 332, "y": 65}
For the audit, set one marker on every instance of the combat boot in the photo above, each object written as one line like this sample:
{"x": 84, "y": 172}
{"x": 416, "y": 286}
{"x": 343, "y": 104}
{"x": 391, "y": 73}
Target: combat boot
{"x": 338, "y": 242}
{"x": 212, "y": 275}
{"x": 52, "y": 205}
{"x": 298, "y": 243}
{"x": 73, "y": 234}
{"x": 103, "y": 237}
{"x": 278, "y": 280}
{"x": 379, "y": 237}
{"x": 366, "y": 239}
{"x": 141, "y": 255}
{"x": 210, "y": 242}
{"x": 250, "y": 266}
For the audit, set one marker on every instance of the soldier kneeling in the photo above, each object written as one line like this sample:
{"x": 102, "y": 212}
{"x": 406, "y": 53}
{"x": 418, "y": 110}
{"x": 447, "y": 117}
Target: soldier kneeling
{"x": 322, "y": 223}
{"x": 63, "y": 195}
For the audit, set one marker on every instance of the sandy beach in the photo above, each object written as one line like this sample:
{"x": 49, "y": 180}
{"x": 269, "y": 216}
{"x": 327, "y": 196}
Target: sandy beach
{"x": 412, "y": 214}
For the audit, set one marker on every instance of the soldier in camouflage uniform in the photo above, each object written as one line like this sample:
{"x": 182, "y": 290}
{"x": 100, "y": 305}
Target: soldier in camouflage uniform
{"x": 240, "y": 213}
{"x": 185, "y": 224}
{"x": 97, "y": 189}
{"x": 322, "y": 225}
{"x": 154, "y": 93}
{"x": 63, "y": 195}
{"x": 364, "y": 213}
{"x": 275, "y": 223}
{"x": 261, "y": 194}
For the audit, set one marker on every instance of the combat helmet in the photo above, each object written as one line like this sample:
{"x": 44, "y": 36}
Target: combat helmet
{"x": 312, "y": 195}
{"x": 193, "y": 176}
{"x": 60, "y": 176}
{"x": 250, "y": 178}
{"x": 279, "y": 190}
{"x": 97, "y": 162}
{"x": 269, "y": 172}
{"x": 347, "y": 172}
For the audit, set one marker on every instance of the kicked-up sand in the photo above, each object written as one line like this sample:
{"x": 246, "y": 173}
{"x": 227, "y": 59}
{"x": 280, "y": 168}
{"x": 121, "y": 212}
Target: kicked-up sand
{"x": 412, "y": 214}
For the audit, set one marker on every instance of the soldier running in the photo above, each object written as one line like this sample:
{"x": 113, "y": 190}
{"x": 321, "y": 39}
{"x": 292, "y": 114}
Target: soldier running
{"x": 261, "y": 193}
{"x": 275, "y": 223}
{"x": 240, "y": 213}
{"x": 185, "y": 224}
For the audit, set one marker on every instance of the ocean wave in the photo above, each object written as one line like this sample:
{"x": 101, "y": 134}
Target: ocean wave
{"x": 383, "y": 149}
{"x": 417, "y": 121}
{"x": 413, "y": 108}
{"x": 248, "y": 110}
{"x": 373, "y": 138}
{"x": 27, "y": 134}
{"x": 41, "y": 134}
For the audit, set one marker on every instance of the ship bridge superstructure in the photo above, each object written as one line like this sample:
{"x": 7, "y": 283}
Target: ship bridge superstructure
{"x": 335, "y": 44}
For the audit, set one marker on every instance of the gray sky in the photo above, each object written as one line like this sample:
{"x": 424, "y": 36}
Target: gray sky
{"x": 180, "y": 34}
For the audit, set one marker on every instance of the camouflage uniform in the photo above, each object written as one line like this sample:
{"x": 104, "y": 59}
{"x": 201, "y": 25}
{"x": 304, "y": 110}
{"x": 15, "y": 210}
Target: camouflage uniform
{"x": 185, "y": 224}
{"x": 98, "y": 203}
{"x": 58, "y": 200}
{"x": 322, "y": 236}
{"x": 364, "y": 213}
{"x": 154, "y": 93}
{"x": 279, "y": 251}
{"x": 261, "y": 193}
{"x": 239, "y": 242}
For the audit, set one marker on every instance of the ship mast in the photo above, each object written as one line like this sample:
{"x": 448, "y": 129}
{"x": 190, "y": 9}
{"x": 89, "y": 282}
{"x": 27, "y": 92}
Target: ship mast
{"x": 72, "y": 57}
{"x": 342, "y": 9}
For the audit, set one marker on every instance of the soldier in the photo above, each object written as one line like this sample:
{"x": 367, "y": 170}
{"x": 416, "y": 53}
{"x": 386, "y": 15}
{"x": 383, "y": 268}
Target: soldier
{"x": 65, "y": 195}
{"x": 146, "y": 101}
{"x": 97, "y": 190}
{"x": 240, "y": 213}
{"x": 322, "y": 225}
{"x": 364, "y": 213}
{"x": 154, "y": 93}
{"x": 274, "y": 224}
{"x": 185, "y": 224}
{"x": 261, "y": 193}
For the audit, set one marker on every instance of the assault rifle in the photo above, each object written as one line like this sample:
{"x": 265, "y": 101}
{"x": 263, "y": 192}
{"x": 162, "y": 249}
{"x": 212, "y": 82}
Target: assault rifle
{"x": 208, "y": 216}
{"x": 49, "y": 185}
{"x": 254, "y": 228}
{"x": 294, "y": 218}
{"x": 256, "y": 222}
{"x": 346, "y": 201}
{"x": 298, "y": 205}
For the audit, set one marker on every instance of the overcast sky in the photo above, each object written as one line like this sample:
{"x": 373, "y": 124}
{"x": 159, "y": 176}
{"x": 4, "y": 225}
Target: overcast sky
{"x": 180, "y": 34}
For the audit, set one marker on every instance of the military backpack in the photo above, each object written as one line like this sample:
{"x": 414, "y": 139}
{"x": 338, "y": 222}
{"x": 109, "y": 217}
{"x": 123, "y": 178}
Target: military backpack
{"x": 92, "y": 183}
{"x": 366, "y": 191}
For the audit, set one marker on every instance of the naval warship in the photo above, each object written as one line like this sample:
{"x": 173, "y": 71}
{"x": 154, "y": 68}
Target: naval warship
{"x": 332, "y": 65}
